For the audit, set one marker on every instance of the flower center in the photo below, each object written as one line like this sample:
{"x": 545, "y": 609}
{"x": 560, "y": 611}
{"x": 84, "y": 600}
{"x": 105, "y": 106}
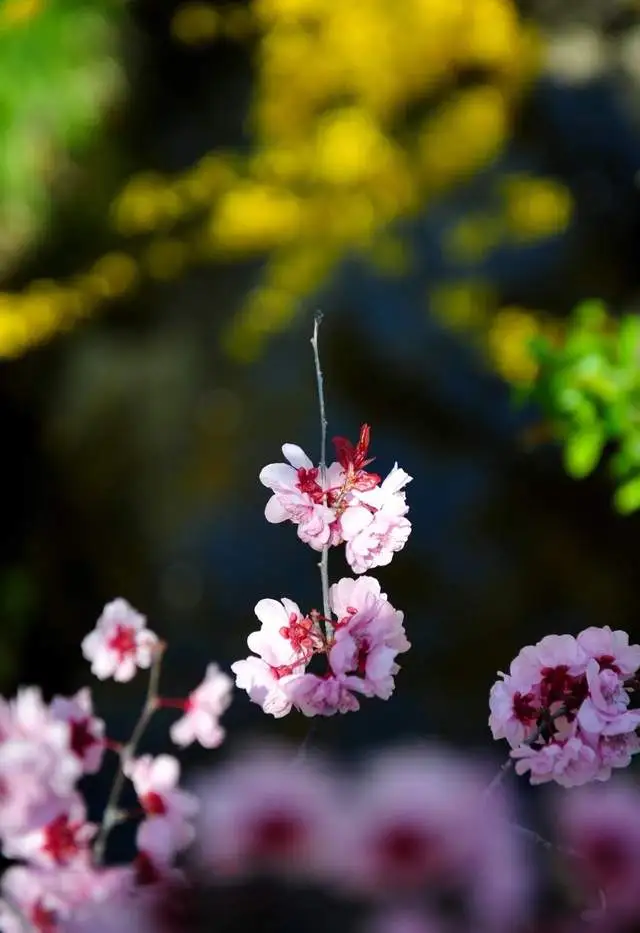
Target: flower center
{"x": 123, "y": 641}
{"x": 276, "y": 834}
{"x": 60, "y": 839}
{"x": 43, "y": 920}
{"x": 81, "y": 738}
{"x": 308, "y": 483}
{"x": 153, "y": 804}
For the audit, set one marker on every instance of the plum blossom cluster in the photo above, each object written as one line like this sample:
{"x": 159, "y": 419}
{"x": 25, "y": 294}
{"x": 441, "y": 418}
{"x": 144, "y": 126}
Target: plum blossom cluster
{"x": 47, "y": 748}
{"x": 566, "y": 707}
{"x": 357, "y": 652}
{"x": 321, "y": 663}
{"x": 342, "y": 504}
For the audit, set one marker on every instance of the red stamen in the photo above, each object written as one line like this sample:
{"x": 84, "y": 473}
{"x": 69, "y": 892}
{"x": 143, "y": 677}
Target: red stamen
{"x": 153, "y": 804}
{"x": 60, "y": 840}
{"x": 123, "y": 642}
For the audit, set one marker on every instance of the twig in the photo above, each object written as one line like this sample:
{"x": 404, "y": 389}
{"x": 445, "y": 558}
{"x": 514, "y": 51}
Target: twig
{"x": 112, "y": 810}
{"x": 324, "y": 560}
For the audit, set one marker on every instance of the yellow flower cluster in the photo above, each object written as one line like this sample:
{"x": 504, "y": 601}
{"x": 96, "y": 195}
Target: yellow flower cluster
{"x": 362, "y": 115}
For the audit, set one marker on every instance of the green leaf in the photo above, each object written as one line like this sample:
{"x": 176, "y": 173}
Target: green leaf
{"x": 583, "y": 451}
{"x": 629, "y": 340}
{"x": 627, "y": 497}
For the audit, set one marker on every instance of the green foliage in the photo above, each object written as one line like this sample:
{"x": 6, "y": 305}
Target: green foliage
{"x": 589, "y": 388}
{"x": 58, "y": 61}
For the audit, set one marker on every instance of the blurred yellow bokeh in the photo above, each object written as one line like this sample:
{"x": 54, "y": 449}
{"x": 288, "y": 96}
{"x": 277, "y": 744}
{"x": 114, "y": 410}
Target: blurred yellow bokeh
{"x": 358, "y": 119}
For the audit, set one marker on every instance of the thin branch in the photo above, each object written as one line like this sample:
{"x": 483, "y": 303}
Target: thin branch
{"x": 324, "y": 560}
{"x": 112, "y": 812}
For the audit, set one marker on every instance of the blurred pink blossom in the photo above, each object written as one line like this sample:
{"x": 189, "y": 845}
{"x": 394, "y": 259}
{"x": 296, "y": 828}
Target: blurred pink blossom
{"x": 268, "y": 811}
{"x": 61, "y": 839}
{"x": 168, "y": 809}
{"x": 120, "y": 643}
{"x": 202, "y": 711}
{"x": 602, "y": 826}
{"x": 87, "y": 731}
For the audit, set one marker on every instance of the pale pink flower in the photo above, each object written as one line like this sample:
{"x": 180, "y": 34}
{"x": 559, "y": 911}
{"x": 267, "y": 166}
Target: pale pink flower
{"x": 605, "y": 712}
{"x": 299, "y": 493}
{"x": 323, "y": 696}
{"x": 368, "y": 635}
{"x": 57, "y": 900}
{"x": 33, "y": 893}
{"x": 87, "y": 731}
{"x": 268, "y": 811}
{"x": 420, "y": 818}
{"x": 38, "y": 769}
{"x": 616, "y": 751}
{"x": 202, "y": 711}
{"x": 602, "y": 825}
{"x": 569, "y": 763}
{"x": 62, "y": 839}
{"x": 120, "y": 643}
{"x": 264, "y": 685}
{"x": 285, "y": 639}
{"x": 374, "y": 524}
{"x": 562, "y": 650}
{"x": 168, "y": 809}
{"x": 610, "y": 649}
{"x": 285, "y": 643}
{"x": 514, "y": 711}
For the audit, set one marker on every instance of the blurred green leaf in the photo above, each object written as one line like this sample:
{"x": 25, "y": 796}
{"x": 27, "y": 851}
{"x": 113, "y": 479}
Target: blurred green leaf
{"x": 60, "y": 69}
{"x": 627, "y": 497}
{"x": 583, "y": 451}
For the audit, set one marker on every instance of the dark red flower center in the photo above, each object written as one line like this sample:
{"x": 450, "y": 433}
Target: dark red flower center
{"x": 276, "y": 834}
{"x": 308, "y": 483}
{"x": 145, "y": 870}
{"x": 81, "y": 736}
{"x": 559, "y": 686}
{"x": 406, "y": 850}
{"x": 123, "y": 641}
{"x": 60, "y": 839}
{"x": 44, "y": 920}
{"x": 153, "y": 803}
{"x": 607, "y": 858}
{"x": 525, "y": 708}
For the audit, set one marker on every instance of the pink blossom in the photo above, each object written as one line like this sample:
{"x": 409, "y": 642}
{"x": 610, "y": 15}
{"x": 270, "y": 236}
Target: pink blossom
{"x": 120, "y": 643}
{"x": 514, "y": 710}
{"x": 61, "y": 839}
{"x": 38, "y": 769}
{"x": 299, "y": 494}
{"x": 285, "y": 643}
{"x": 323, "y": 696}
{"x": 268, "y": 811}
{"x": 605, "y": 712}
{"x": 87, "y": 731}
{"x": 419, "y": 818}
{"x": 603, "y": 827}
{"x": 168, "y": 809}
{"x": 264, "y": 685}
{"x": 570, "y": 762}
{"x": 610, "y": 649}
{"x": 368, "y": 635}
{"x": 202, "y": 711}
{"x": 56, "y": 900}
{"x": 374, "y": 524}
